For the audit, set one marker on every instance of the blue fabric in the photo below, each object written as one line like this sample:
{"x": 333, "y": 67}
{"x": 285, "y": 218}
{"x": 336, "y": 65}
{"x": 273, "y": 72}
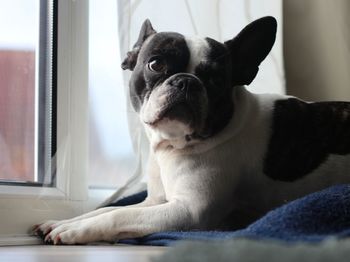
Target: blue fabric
{"x": 312, "y": 218}
{"x": 130, "y": 200}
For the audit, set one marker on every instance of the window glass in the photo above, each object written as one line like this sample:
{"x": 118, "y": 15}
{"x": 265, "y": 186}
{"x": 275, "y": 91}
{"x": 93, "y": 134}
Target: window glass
{"x": 19, "y": 36}
{"x": 111, "y": 159}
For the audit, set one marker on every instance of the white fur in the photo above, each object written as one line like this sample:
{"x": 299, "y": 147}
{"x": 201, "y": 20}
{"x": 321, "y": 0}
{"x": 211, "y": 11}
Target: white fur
{"x": 198, "y": 51}
{"x": 168, "y": 133}
{"x": 152, "y": 107}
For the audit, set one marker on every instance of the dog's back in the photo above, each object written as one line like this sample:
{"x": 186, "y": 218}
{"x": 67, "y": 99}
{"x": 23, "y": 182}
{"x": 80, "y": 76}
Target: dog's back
{"x": 285, "y": 148}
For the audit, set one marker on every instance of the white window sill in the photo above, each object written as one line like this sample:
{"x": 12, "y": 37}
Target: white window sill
{"x": 19, "y": 241}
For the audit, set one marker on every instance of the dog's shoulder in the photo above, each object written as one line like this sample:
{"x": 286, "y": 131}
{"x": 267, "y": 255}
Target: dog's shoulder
{"x": 303, "y": 135}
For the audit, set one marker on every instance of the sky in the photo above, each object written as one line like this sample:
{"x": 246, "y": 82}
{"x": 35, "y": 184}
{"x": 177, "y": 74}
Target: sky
{"x": 19, "y": 24}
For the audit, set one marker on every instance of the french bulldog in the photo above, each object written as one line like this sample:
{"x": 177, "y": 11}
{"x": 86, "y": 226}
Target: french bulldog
{"x": 220, "y": 155}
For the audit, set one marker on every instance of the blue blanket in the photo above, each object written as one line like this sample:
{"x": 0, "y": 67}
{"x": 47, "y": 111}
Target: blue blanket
{"x": 313, "y": 218}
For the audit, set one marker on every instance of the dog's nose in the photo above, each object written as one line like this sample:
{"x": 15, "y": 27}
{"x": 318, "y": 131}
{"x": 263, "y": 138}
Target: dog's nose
{"x": 185, "y": 82}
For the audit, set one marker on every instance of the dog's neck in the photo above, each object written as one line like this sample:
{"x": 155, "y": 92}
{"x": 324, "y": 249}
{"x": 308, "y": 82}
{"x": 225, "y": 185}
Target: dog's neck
{"x": 222, "y": 111}
{"x": 227, "y": 121}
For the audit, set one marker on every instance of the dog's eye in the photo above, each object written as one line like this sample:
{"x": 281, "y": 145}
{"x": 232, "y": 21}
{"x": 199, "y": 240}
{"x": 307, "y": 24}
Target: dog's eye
{"x": 157, "y": 65}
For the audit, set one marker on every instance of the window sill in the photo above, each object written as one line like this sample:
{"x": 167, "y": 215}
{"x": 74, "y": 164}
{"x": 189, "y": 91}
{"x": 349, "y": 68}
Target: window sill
{"x": 19, "y": 241}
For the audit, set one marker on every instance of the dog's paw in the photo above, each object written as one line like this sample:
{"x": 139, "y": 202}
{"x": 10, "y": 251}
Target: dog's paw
{"x": 80, "y": 232}
{"x": 43, "y": 229}
{"x": 63, "y": 234}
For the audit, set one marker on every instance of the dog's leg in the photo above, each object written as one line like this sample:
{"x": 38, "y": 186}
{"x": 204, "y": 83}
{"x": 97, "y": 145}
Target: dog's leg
{"x": 44, "y": 228}
{"x": 124, "y": 223}
{"x": 156, "y": 196}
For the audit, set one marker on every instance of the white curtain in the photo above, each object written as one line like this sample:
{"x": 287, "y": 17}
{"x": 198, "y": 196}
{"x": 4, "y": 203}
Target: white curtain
{"x": 218, "y": 19}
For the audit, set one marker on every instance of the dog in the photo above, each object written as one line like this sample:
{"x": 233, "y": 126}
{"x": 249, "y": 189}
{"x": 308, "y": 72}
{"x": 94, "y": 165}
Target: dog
{"x": 220, "y": 155}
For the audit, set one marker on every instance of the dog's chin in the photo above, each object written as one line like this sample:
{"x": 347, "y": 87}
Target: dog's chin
{"x": 169, "y": 133}
{"x": 173, "y": 126}
{"x": 172, "y": 129}
{"x": 173, "y": 121}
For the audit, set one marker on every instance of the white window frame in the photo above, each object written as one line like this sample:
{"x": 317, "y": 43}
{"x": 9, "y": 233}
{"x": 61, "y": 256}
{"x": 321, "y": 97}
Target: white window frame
{"x": 21, "y": 206}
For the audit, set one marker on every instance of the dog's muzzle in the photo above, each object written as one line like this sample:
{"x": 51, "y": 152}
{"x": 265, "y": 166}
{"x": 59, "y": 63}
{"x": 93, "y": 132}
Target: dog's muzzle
{"x": 181, "y": 97}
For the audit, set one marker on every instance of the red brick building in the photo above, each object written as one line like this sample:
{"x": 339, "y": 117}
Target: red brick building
{"x": 17, "y": 94}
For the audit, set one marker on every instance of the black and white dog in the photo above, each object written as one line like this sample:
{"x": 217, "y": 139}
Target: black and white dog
{"x": 220, "y": 156}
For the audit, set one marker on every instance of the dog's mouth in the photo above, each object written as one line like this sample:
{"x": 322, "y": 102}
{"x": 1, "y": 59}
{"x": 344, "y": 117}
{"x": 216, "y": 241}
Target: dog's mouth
{"x": 177, "y": 107}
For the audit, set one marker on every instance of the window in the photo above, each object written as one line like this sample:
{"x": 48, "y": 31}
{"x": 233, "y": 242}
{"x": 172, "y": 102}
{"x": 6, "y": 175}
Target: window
{"x": 25, "y": 90}
{"x": 55, "y": 109}
{"x": 49, "y": 84}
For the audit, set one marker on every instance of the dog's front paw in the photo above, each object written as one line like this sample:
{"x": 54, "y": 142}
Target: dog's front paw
{"x": 43, "y": 229}
{"x": 69, "y": 233}
{"x": 78, "y": 232}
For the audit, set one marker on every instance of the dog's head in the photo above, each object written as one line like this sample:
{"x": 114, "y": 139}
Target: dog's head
{"x": 181, "y": 86}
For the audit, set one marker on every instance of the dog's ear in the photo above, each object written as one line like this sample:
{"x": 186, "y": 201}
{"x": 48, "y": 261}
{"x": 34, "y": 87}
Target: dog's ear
{"x": 131, "y": 57}
{"x": 250, "y": 47}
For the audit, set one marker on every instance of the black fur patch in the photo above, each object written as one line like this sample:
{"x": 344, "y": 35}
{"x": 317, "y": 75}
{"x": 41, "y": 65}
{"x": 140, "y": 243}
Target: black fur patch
{"x": 215, "y": 74}
{"x": 303, "y": 136}
{"x": 169, "y": 46}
